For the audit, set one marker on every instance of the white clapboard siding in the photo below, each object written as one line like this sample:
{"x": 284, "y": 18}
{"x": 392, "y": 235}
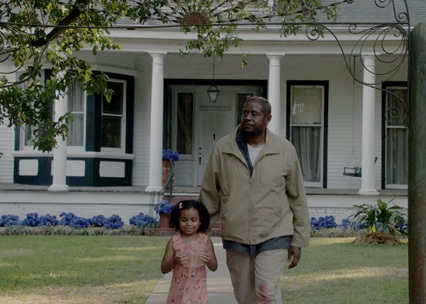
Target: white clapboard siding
{"x": 7, "y": 143}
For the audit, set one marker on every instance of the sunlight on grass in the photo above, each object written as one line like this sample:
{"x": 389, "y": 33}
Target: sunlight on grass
{"x": 358, "y": 273}
{"x": 52, "y": 275}
{"x": 4, "y": 264}
{"x": 315, "y": 242}
{"x": 133, "y": 292}
{"x": 134, "y": 249}
{"x": 108, "y": 258}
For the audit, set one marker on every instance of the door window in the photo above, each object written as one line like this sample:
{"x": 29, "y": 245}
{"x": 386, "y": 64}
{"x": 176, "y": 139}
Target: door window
{"x": 185, "y": 106}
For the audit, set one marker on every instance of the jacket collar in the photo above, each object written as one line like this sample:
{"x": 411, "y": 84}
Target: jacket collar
{"x": 271, "y": 144}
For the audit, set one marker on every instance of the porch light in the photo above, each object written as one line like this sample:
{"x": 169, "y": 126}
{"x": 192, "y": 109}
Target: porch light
{"x": 213, "y": 91}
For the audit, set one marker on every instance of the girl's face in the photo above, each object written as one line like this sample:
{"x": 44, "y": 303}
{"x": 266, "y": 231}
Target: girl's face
{"x": 189, "y": 221}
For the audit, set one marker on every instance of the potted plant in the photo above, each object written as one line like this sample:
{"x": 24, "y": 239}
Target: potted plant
{"x": 164, "y": 209}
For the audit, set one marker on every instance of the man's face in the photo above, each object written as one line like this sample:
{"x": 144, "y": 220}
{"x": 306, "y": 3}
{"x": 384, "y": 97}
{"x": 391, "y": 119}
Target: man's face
{"x": 253, "y": 120}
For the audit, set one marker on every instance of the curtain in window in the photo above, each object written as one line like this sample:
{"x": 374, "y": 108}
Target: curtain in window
{"x": 76, "y": 107}
{"x": 396, "y": 141}
{"x": 306, "y": 140}
{"x": 306, "y": 129}
{"x": 396, "y": 156}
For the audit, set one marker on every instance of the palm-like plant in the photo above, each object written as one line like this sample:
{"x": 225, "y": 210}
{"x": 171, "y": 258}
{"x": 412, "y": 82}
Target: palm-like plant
{"x": 381, "y": 217}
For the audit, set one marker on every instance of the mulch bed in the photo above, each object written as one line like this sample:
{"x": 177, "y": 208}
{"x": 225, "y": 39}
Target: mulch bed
{"x": 378, "y": 239}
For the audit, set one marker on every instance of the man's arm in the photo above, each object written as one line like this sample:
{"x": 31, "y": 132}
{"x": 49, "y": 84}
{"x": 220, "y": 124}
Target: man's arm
{"x": 298, "y": 203}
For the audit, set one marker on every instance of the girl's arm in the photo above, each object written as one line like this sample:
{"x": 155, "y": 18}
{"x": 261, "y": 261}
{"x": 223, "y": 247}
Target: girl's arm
{"x": 170, "y": 260}
{"x": 209, "y": 257}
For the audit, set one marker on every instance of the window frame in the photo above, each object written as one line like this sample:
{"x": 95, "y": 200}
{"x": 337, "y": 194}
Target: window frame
{"x": 322, "y": 183}
{"x": 123, "y": 133}
{"x": 174, "y": 123}
{"x": 82, "y": 147}
{"x": 385, "y": 126}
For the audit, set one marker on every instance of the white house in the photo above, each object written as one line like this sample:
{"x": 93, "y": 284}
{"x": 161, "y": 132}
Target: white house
{"x": 111, "y": 163}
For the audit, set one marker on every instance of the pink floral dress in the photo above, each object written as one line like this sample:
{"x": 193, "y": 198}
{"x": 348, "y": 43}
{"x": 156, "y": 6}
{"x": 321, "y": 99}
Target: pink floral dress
{"x": 189, "y": 284}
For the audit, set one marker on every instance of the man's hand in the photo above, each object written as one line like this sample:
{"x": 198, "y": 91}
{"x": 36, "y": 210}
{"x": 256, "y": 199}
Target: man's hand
{"x": 294, "y": 254}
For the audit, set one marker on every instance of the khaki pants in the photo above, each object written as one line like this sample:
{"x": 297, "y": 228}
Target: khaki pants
{"x": 257, "y": 279}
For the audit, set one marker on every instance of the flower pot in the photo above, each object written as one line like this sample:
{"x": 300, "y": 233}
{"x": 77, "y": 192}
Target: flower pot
{"x": 164, "y": 220}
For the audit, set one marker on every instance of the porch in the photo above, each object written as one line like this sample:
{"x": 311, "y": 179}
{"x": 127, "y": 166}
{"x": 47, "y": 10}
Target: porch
{"x": 126, "y": 202}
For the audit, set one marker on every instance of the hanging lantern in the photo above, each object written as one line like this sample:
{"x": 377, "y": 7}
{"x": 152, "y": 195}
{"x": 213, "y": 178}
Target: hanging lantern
{"x": 213, "y": 91}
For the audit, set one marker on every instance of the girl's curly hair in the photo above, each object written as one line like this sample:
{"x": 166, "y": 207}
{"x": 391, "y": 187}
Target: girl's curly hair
{"x": 202, "y": 211}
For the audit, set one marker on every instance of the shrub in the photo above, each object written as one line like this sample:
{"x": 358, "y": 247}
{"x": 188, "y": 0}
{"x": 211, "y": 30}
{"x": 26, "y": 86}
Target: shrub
{"x": 47, "y": 220}
{"x": 323, "y": 222}
{"x": 164, "y": 207}
{"x": 113, "y": 222}
{"x": 66, "y": 218}
{"x": 381, "y": 217}
{"x": 141, "y": 220}
{"x": 97, "y": 221}
{"x": 9, "y": 220}
{"x": 31, "y": 220}
{"x": 348, "y": 224}
{"x": 79, "y": 222}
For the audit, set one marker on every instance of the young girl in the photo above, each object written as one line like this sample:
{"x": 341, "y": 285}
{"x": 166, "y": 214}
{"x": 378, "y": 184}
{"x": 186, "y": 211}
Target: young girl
{"x": 188, "y": 253}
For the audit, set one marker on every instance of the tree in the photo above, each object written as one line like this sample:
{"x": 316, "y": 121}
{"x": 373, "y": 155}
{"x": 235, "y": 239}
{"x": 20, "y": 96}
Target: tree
{"x": 36, "y": 35}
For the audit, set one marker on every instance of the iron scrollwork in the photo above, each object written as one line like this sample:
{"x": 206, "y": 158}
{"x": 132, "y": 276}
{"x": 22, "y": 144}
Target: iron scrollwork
{"x": 373, "y": 40}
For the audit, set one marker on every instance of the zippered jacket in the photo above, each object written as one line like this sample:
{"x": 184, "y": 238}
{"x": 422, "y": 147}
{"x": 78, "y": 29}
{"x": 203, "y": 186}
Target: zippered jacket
{"x": 267, "y": 204}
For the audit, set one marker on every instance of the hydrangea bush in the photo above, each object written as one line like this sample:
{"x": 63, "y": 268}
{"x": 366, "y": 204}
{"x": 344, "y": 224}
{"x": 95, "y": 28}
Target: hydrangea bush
{"x": 141, "y": 220}
{"x": 75, "y": 222}
{"x": 164, "y": 207}
{"x": 9, "y": 220}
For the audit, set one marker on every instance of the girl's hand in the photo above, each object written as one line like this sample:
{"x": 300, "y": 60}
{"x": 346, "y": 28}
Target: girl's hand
{"x": 205, "y": 257}
{"x": 181, "y": 258}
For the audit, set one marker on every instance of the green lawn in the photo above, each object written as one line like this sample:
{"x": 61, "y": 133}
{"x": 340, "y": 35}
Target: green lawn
{"x": 125, "y": 269}
{"x": 79, "y": 269}
{"x": 333, "y": 270}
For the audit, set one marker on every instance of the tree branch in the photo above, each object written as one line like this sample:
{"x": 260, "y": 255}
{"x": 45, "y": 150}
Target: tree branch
{"x": 61, "y": 27}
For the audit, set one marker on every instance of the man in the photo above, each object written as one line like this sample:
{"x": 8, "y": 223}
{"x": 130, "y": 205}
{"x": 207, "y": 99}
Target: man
{"x": 253, "y": 180}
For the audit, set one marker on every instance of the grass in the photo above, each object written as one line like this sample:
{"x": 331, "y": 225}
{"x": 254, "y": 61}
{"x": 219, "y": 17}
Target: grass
{"x": 79, "y": 269}
{"x": 125, "y": 269}
{"x": 334, "y": 270}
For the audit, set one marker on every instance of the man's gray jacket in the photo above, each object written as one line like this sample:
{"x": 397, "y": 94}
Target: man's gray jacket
{"x": 268, "y": 204}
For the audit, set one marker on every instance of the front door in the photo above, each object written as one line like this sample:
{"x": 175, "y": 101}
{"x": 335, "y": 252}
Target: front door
{"x": 197, "y": 124}
{"x": 214, "y": 124}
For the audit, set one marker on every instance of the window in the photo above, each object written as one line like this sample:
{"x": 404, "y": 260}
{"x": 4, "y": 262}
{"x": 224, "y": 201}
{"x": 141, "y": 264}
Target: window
{"x": 76, "y": 106}
{"x": 306, "y": 129}
{"x": 26, "y": 131}
{"x": 185, "y": 106}
{"x": 112, "y": 120}
{"x": 396, "y": 138}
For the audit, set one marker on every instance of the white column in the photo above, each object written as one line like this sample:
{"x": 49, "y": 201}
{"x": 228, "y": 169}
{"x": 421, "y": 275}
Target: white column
{"x": 156, "y": 132}
{"x": 60, "y": 152}
{"x": 368, "y": 128}
{"x": 274, "y": 89}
